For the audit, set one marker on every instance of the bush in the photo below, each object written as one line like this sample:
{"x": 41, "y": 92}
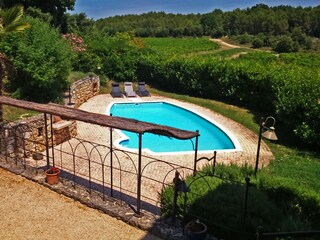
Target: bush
{"x": 244, "y": 38}
{"x": 116, "y": 56}
{"x": 287, "y": 88}
{"x": 257, "y": 43}
{"x": 42, "y": 61}
{"x": 285, "y": 44}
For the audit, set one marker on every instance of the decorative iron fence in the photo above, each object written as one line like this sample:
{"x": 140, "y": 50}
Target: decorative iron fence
{"x": 135, "y": 178}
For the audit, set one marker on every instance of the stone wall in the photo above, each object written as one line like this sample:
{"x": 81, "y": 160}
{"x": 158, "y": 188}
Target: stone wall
{"x": 84, "y": 89}
{"x": 28, "y": 136}
{"x": 25, "y": 137}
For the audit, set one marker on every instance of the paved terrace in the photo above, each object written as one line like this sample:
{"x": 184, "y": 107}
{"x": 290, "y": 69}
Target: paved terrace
{"x": 247, "y": 139}
{"x": 156, "y": 170}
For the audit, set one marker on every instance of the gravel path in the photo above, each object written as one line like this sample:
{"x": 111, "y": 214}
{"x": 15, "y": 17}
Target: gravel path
{"x": 31, "y": 211}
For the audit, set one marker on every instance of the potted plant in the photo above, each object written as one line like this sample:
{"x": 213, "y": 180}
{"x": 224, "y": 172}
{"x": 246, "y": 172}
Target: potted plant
{"x": 196, "y": 230}
{"x": 52, "y": 175}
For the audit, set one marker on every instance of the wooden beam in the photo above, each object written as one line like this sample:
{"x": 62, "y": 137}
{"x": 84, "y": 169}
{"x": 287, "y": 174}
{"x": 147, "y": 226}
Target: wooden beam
{"x": 100, "y": 119}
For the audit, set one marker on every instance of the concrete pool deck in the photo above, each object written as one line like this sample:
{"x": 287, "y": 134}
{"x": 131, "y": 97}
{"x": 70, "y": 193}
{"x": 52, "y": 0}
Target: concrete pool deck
{"x": 246, "y": 138}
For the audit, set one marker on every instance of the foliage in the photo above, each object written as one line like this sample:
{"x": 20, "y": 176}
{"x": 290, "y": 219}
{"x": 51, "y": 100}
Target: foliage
{"x": 11, "y": 20}
{"x": 76, "y": 42}
{"x": 56, "y": 8}
{"x": 153, "y": 24}
{"x": 244, "y": 38}
{"x": 42, "y": 61}
{"x": 285, "y": 44}
{"x": 115, "y": 57}
{"x": 261, "y": 81}
{"x": 296, "y": 22}
{"x": 257, "y": 42}
{"x": 179, "y": 45}
{"x": 36, "y": 13}
{"x": 75, "y": 76}
{"x": 76, "y": 23}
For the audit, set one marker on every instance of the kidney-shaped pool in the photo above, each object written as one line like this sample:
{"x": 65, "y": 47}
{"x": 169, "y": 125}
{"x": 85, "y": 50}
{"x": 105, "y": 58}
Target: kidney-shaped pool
{"x": 211, "y": 137}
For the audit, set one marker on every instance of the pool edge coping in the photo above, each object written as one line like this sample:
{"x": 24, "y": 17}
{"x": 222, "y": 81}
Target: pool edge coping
{"x": 123, "y": 137}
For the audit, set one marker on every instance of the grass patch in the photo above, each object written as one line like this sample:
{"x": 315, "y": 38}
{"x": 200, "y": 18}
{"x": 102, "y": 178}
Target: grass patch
{"x": 75, "y": 76}
{"x": 13, "y": 113}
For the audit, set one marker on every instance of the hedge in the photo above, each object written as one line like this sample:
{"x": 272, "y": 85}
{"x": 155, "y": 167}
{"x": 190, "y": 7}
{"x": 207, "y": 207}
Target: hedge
{"x": 261, "y": 81}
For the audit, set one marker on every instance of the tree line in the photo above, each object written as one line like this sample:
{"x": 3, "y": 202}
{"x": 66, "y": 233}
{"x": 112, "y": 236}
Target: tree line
{"x": 258, "y": 19}
{"x": 283, "y": 28}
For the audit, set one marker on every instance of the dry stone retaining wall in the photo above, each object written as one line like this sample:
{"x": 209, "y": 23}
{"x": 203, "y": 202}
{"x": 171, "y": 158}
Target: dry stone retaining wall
{"x": 84, "y": 89}
{"x": 28, "y": 136}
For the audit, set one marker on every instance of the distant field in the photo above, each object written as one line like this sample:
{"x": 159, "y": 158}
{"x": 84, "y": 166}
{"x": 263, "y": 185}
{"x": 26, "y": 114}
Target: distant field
{"x": 180, "y": 45}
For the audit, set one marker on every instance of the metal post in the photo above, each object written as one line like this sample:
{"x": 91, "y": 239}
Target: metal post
{"x": 196, "y": 154}
{"x": 15, "y": 148}
{"x": 139, "y": 175}
{"x": 247, "y": 179}
{"x": 5, "y": 143}
{"x": 52, "y": 144}
{"x": 70, "y": 103}
{"x": 111, "y": 163}
{"x": 47, "y": 144}
{"x": 258, "y": 149}
{"x": 176, "y": 181}
{"x": 103, "y": 183}
{"x": 24, "y": 150}
{"x": 214, "y": 162}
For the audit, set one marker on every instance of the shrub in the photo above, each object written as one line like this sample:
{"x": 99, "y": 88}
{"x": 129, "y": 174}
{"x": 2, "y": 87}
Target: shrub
{"x": 42, "y": 61}
{"x": 244, "y": 38}
{"x": 286, "y": 87}
{"x": 257, "y": 43}
{"x": 285, "y": 44}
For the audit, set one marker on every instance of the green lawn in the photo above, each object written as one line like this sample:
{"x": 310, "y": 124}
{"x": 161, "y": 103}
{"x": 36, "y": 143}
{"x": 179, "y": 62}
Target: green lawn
{"x": 75, "y": 76}
{"x": 13, "y": 113}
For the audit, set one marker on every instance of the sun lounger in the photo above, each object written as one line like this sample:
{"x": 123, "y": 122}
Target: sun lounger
{"x": 115, "y": 91}
{"x": 142, "y": 91}
{"x": 128, "y": 90}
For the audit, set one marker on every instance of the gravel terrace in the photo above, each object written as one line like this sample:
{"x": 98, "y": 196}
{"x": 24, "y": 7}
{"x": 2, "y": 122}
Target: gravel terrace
{"x": 31, "y": 211}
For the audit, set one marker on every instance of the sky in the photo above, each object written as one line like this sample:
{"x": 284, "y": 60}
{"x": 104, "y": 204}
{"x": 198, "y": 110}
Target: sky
{"x": 106, "y": 8}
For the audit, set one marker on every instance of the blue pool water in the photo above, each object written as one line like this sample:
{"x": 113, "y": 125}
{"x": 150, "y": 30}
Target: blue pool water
{"x": 211, "y": 137}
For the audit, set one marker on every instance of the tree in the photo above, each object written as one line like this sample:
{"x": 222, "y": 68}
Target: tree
{"x": 10, "y": 21}
{"x": 42, "y": 61}
{"x": 56, "y": 8}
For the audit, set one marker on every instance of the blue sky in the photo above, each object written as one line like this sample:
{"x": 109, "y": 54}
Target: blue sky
{"x": 106, "y": 8}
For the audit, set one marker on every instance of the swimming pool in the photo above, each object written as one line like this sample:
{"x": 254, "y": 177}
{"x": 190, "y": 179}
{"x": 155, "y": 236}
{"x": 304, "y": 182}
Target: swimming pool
{"x": 211, "y": 137}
